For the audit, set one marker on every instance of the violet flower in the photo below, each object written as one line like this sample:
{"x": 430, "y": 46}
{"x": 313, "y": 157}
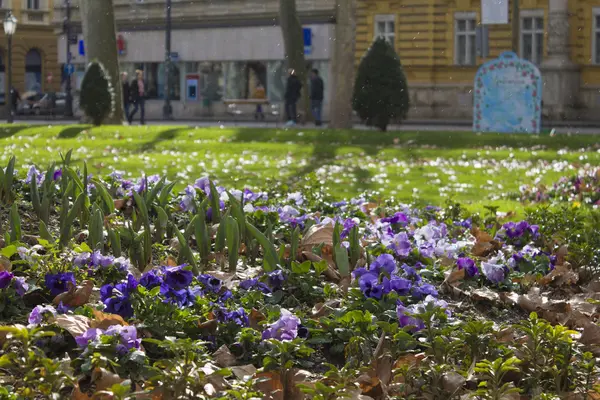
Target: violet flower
{"x": 178, "y": 277}
{"x": 59, "y": 283}
{"x": 468, "y": 265}
{"x": 284, "y": 329}
{"x": 401, "y": 244}
{"x": 493, "y": 272}
{"x": 38, "y": 314}
{"x": 5, "y": 279}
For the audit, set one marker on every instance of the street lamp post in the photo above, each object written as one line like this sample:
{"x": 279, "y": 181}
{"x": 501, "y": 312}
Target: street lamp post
{"x": 168, "y": 110}
{"x": 10, "y": 26}
{"x": 69, "y": 96}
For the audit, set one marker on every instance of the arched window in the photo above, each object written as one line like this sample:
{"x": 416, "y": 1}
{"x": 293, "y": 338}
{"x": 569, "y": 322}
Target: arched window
{"x": 33, "y": 71}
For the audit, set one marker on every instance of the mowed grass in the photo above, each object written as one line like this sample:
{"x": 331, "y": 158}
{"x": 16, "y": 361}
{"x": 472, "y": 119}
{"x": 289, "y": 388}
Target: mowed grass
{"x": 424, "y": 167}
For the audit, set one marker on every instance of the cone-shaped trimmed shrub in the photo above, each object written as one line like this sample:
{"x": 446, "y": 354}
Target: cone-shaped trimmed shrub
{"x": 380, "y": 91}
{"x": 97, "y": 94}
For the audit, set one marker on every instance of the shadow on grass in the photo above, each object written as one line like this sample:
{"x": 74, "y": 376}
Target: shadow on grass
{"x": 324, "y": 151}
{"x": 445, "y": 140}
{"x": 72, "y": 131}
{"x": 7, "y": 131}
{"x": 163, "y": 136}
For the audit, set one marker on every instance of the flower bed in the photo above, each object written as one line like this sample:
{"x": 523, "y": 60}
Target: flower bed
{"x": 124, "y": 289}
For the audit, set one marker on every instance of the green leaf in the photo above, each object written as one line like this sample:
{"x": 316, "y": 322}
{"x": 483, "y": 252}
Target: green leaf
{"x": 202, "y": 237}
{"x": 115, "y": 242}
{"x": 185, "y": 252}
{"x": 354, "y": 247}
{"x": 154, "y": 192}
{"x": 233, "y": 242}
{"x": 301, "y": 269}
{"x": 164, "y": 194}
{"x": 238, "y": 213}
{"x": 295, "y": 243}
{"x": 65, "y": 231}
{"x": 214, "y": 201}
{"x": 35, "y": 195}
{"x": 270, "y": 254}
{"x": 220, "y": 239}
{"x": 107, "y": 200}
{"x": 8, "y": 179}
{"x": 9, "y": 251}
{"x": 341, "y": 260}
{"x": 74, "y": 178}
{"x": 44, "y": 233}
{"x": 141, "y": 205}
{"x": 15, "y": 224}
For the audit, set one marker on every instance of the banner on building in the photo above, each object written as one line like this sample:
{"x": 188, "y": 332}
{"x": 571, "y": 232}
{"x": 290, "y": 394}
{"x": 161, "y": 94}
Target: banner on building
{"x": 494, "y": 12}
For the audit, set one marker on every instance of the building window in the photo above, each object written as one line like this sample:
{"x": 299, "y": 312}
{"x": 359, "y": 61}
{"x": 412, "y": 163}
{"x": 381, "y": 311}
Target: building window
{"x": 385, "y": 27}
{"x": 464, "y": 39}
{"x": 532, "y": 36}
{"x": 596, "y": 36}
{"x": 33, "y": 71}
{"x": 33, "y": 4}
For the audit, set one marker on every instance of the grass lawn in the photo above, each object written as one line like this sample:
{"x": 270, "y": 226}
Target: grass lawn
{"x": 428, "y": 167}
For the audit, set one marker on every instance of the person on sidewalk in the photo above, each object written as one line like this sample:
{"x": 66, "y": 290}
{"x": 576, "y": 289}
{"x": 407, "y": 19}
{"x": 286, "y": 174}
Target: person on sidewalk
{"x": 126, "y": 94}
{"x": 316, "y": 96}
{"x": 138, "y": 96}
{"x": 259, "y": 94}
{"x": 293, "y": 90}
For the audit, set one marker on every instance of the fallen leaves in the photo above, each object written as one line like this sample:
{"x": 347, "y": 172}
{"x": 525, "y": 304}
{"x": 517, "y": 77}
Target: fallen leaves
{"x": 76, "y": 325}
{"x": 76, "y": 296}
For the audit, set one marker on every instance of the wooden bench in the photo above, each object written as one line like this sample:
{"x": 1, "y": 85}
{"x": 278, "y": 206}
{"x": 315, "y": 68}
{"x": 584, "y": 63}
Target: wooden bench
{"x": 234, "y": 110}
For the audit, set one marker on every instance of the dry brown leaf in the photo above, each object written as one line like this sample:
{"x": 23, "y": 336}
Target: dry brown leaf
{"x": 590, "y": 335}
{"x": 560, "y": 275}
{"x": 453, "y": 381}
{"x": 255, "y": 318}
{"x": 76, "y": 325}
{"x": 119, "y": 204}
{"x": 223, "y": 357}
{"x": 454, "y": 276}
{"x": 243, "y": 372}
{"x": 5, "y": 264}
{"x": 104, "y": 321}
{"x": 209, "y": 327}
{"x": 269, "y": 383}
{"x": 409, "y": 359}
{"x": 316, "y": 236}
{"x": 484, "y": 294}
{"x": 76, "y": 296}
{"x": 561, "y": 254}
{"x": 370, "y": 386}
{"x": 323, "y": 309}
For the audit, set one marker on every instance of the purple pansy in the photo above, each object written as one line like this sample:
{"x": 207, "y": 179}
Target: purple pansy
{"x": 5, "y": 279}
{"x": 492, "y": 271}
{"x": 59, "y": 283}
{"x": 178, "y": 278}
{"x": 276, "y": 279}
{"x": 384, "y": 262}
{"x": 39, "y": 312}
{"x": 285, "y": 328}
{"x": 468, "y": 265}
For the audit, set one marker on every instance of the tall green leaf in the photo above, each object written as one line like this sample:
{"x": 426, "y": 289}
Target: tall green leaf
{"x": 202, "y": 237}
{"x": 141, "y": 205}
{"x": 65, "y": 230}
{"x": 44, "y": 233}
{"x": 35, "y": 196}
{"x": 15, "y": 224}
{"x": 185, "y": 252}
{"x": 214, "y": 201}
{"x": 115, "y": 241}
{"x": 154, "y": 192}
{"x": 163, "y": 198}
{"x": 270, "y": 254}
{"x": 341, "y": 260}
{"x": 354, "y": 247}
{"x": 107, "y": 200}
{"x": 233, "y": 241}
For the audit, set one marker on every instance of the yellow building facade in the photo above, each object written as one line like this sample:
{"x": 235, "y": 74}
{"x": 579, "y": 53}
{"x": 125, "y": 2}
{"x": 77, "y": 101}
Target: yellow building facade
{"x": 34, "y": 47}
{"x": 435, "y": 40}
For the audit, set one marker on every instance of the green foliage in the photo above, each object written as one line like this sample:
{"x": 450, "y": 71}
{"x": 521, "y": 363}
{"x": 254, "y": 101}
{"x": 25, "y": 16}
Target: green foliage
{"x": 96, "y": 230}
{"x": 15, "y": 224}
{"x": 7, "y": 193}
{"x": 493, "y": 386}
{"x": 380, "y": 91}
{"x": 97, "y": 94}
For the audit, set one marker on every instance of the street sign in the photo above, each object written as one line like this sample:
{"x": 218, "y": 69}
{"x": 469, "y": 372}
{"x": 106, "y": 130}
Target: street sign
{"x": 494, "y": 12}
{"x": 174, "y": 56}
{"x": 73, "y": 38}
{"x": 81, "y": 48}
{"x": 307, "y": 33}
{"x": 69, "y": 69}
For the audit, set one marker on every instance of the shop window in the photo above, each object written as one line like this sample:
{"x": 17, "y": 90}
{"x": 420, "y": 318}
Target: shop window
{"x": 596, "y": 36}
{"x": 33, "y": 71}
{"x": 243, "y": 77}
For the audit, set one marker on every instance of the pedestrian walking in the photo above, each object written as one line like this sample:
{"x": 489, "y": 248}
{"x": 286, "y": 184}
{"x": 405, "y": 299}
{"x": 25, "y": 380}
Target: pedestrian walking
{"x": 293, "y": 90}
{"x": 15, "y": 98}
{"x": 259, "y": 94}
{"x": 316, "y": 96}
{"x": 126, "y": 94}
{"x": 138, "y": 96}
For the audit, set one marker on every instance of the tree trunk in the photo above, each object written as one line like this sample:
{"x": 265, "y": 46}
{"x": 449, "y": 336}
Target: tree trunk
{"x": 343, "y": 65}
{"x": 293, "y": 41}
{"x": 100, "y": 37}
